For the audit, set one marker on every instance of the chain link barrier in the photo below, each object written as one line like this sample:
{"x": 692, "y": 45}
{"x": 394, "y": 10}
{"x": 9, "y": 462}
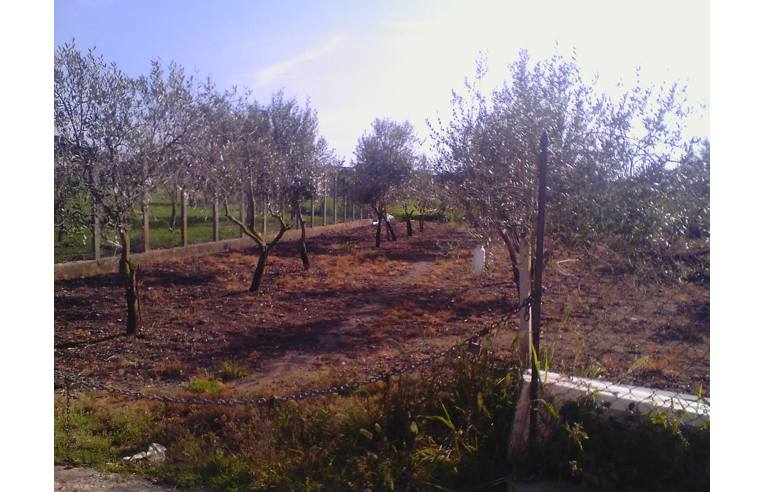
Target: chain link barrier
{"x": 344, "y": 389}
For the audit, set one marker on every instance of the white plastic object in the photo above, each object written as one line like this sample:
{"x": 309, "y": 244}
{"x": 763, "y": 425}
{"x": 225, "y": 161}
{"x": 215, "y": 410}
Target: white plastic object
{"x": 478, "y": 259}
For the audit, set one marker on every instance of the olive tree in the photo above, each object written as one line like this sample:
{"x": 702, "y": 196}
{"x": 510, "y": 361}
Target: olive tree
{"x": 73, "y": 213}
{"x": 296, "y": 140}
{"x": 417, "y": 194}
{"x": 384, "y": 160}
{"x": 125, "y": 131}
{"x": 487, "y": 153}
{"x": 252, "y": 163}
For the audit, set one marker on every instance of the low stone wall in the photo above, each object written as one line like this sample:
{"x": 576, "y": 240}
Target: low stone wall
{"x": 88, "y": 268}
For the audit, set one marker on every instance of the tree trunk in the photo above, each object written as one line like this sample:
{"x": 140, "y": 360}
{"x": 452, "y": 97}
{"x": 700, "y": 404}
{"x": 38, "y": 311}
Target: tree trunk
{"x": 258, "y": 277}
{"x": 407, "y": 214}
{"x": 421, "y": 223}
{"x": 215, "y": 219}
{"x": 345, "y": 209}
{"x": 302, "y": 248}
{"x": 251, "y": 208}
{"x": 173, "y": 209}
{"x": 378, "y": 239}
{"x": 265, "y": 215}
{"x": 146, "y": 221}
{"x": 524, "y": 290}
{"x": 129, "y": 274}
{"x": 312, "y": 212}
{"x": 390, "y": 230}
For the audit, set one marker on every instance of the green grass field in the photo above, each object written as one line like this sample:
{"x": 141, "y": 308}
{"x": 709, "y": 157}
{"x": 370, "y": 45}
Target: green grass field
{"x": 74, "y": 248}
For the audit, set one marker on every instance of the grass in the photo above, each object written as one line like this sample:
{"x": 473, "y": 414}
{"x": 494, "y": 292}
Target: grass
{"x": 79, "y": 247}
{"x": 230, "y": 370}
{"x": 205, "y": 384}
{"x": 443, "y": 429}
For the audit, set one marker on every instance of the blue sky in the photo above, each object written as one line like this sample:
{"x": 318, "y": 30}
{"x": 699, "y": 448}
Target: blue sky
{"x": 399, "y": 59}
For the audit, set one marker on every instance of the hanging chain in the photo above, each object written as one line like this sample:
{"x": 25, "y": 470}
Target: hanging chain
{"x": 338, "y": 389}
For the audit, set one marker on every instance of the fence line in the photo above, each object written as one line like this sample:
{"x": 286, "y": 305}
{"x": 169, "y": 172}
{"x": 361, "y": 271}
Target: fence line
{"x": 85, "y": 268}
{"x": 338, "y": 389}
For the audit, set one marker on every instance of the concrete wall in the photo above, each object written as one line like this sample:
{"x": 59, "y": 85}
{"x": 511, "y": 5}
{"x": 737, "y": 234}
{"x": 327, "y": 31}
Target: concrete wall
{"x": 623, "y": 399}
{"x": 87, "y": 268}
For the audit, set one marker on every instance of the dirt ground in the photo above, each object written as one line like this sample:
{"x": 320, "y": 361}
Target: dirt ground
{"x": 87, "y": 480}
{"x": 360, "y": 309}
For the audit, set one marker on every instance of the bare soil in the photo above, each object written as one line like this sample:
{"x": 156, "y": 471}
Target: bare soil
{"x": 68, "y": 479}
{"x": 360, "y": 309}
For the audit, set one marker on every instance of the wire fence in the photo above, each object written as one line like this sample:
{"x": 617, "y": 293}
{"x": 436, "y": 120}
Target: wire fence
{"x": 555, "y": 388}
{"x": 471, "y": 344}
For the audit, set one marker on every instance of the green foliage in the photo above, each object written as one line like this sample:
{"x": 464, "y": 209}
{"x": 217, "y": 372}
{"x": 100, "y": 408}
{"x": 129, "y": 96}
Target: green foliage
{"x": 230, "y": 370}
{"x": 205, "y": 384}
{"x": 654, "y": 220}
{"x": 383, "y": 161}
{"x": 636, "y": 452}
{"x": 92, "y": 434}
{"x": 445, "y": 429}
{"x": 621, "y": 173}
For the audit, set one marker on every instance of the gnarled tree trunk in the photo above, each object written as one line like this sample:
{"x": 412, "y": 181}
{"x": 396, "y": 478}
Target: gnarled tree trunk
{"x": 258, "y": 276}
{"x": 378, "y": 238}
{"x": 302, "y": 247}
{"x": 174, "y": 208}
{"x": 390, "y": 230}
{"x": 129, "y": 274}
{"x": 407, "y": 214}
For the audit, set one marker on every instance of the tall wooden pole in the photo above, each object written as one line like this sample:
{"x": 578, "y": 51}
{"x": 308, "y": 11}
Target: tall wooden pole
{"x": 538, "y": 267}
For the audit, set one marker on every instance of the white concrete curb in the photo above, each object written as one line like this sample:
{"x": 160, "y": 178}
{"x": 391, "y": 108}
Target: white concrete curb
{"x": 624, "y": 399}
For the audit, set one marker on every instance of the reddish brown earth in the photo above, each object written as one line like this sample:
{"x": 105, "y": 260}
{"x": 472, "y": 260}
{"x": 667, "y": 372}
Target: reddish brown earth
{"x": 360, "y": 309}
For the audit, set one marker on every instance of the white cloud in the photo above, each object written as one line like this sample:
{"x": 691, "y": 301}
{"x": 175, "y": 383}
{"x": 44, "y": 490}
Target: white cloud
{"x": 266, "y": 75}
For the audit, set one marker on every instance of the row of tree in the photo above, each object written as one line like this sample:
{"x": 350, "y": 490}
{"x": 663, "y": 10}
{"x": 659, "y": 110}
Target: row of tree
{"x": 621, "y": 171}
{"x": 119, "y": 138}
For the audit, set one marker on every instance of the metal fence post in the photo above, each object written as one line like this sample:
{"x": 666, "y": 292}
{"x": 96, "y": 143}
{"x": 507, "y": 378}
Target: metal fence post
{"x": 326, "y": 193}
{"x": 184, "y": 217}
{"x": 334, "y": 203}
{"x": 242, "y": 210}
{"x": 538, "y": 267}
{"x": 146, "y": 221}
{"x": 96, "y": 233}
{"x": 215, "y": 218}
